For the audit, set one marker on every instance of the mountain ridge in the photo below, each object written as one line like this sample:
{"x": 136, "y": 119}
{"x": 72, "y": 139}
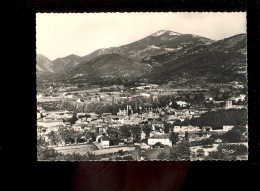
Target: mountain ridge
{"x": 159, "y": 56}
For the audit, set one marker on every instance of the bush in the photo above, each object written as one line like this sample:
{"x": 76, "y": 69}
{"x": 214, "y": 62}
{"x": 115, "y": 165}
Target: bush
{"x": 163, "y": 155}
{"x": 234, "y": 135}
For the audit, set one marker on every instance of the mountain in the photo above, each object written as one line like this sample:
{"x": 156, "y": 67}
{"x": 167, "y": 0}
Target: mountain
{"x": 44, "y": 66}
{"x": 221, "y": 61}
{"x": 111, "y": 65}
{"x": 126, "y": 60}
{"x": 62, "y": 64}
{"x": 162, "y": 56}
{"x": 158, "y": 43}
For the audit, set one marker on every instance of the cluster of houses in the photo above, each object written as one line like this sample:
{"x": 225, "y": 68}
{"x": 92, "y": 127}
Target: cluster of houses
{"x": 99, "y": 124}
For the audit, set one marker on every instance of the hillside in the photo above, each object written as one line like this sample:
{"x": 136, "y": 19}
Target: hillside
{"x": 110, "y": 65}
{"x": 163, "y": 41}
{"x": 62, "y": 64}
{"x": 221, "y": 61}
{"x": 44, "y": 66}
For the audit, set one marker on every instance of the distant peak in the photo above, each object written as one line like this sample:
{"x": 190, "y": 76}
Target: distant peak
{"x": 158, "y": 33}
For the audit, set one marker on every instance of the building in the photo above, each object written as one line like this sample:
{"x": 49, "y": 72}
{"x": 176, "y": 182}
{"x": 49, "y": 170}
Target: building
{"x": 207, "y": 128}
{"x": 227, "y": 127}
{"x": 157, "y": 124}
{"x": 144, "y": 146}
{"x": 105, "y": 141}
{"x": 143, "y": 135}
{"x": 228, "y": 104}
{"x": 121, "y": 142}
{"x": 163, "y": 139}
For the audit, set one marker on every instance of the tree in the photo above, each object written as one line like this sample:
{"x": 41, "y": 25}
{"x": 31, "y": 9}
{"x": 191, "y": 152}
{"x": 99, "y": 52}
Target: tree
{"x": 200, "y": 153}
{"x": 166, "y": 127}
{"x": 125, "y": 131}
{"x": 163, "y": 155}
{"x": 157, "y": 128}
{"x": 121, "y": 152}
{"x": 136, "y": 130}
{"x": 47, "y": 154}
{"x": 186, "y": 136}
{"x": 234, "y": 135}
{"x": 174, "y": 138}
{"x": 207, "y": 143}
{"x": 54, "y": 138}
{"x": 147, "y": 129}
{"x": 181, "y": 151}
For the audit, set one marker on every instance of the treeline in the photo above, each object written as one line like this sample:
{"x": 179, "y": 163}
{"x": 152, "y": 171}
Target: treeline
{"x": 216, "y": 119}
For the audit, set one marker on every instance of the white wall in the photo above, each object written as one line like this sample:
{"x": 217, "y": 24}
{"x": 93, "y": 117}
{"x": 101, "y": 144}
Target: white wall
{"x": 152, "y": 141}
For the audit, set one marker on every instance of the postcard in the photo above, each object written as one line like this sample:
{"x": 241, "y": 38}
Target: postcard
{"x": 152, "y": 86}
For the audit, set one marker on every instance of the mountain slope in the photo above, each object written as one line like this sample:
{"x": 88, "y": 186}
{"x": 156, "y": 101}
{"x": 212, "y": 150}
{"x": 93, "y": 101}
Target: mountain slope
{"x": 44, "y": 65}
{"x": 222, "y": 61}
{"x": 158, "y": 43}
{"x": 62, "y": 64}
{"x": 110, "y": 65}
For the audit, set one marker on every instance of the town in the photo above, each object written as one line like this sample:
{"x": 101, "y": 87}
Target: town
{"x": 175, "y": 120}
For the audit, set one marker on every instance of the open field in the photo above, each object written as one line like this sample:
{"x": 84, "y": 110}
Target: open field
{"x": 47, "y": 99}
{"x": 81, "y": 149}
{"x": 112, "y": 150}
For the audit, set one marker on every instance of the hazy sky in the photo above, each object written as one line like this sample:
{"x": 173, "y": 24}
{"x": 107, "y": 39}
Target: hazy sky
{"x": 59, "y": 35}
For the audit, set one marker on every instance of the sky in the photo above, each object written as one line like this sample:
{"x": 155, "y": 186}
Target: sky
{"x": 59, "y": 35}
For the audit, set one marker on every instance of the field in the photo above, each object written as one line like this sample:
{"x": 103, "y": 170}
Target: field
{"x": 81, "y": 149}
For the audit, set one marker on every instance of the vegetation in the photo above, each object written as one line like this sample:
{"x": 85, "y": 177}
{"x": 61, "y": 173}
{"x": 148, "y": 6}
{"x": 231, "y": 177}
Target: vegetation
{"x": 216, "y": 119}
{"x": 235, "y": 135}
{"x": 180, "y": 152}
{"x": 228, "y": 152}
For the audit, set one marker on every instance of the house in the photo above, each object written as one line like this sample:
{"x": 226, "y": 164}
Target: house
{"x": 121, "y": 142}
{"x": 124, "y": 139}
{"x": 144, "y": 95}
{"x": 143, "y": 135}
{"x": 144, "y": 146}
{"x": 79, "y": 100}
{"x": 105, "y": 141}
{"x": 39, "y": 115}
{"x": 207, "y": 128}
{"x": 39, "y": 96}
{"x": 163, "y": 139}
{"x": 228, "y": 104}
{"x": 176, "y": 128}
{"x": 157, "y": 124}
{"x": 227, "y": 127}
{"x": 77, "y": 128}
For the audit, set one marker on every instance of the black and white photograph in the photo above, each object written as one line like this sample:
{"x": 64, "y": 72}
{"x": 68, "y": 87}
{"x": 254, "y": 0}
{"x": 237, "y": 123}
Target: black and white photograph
{"x": 151, "y": 86}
